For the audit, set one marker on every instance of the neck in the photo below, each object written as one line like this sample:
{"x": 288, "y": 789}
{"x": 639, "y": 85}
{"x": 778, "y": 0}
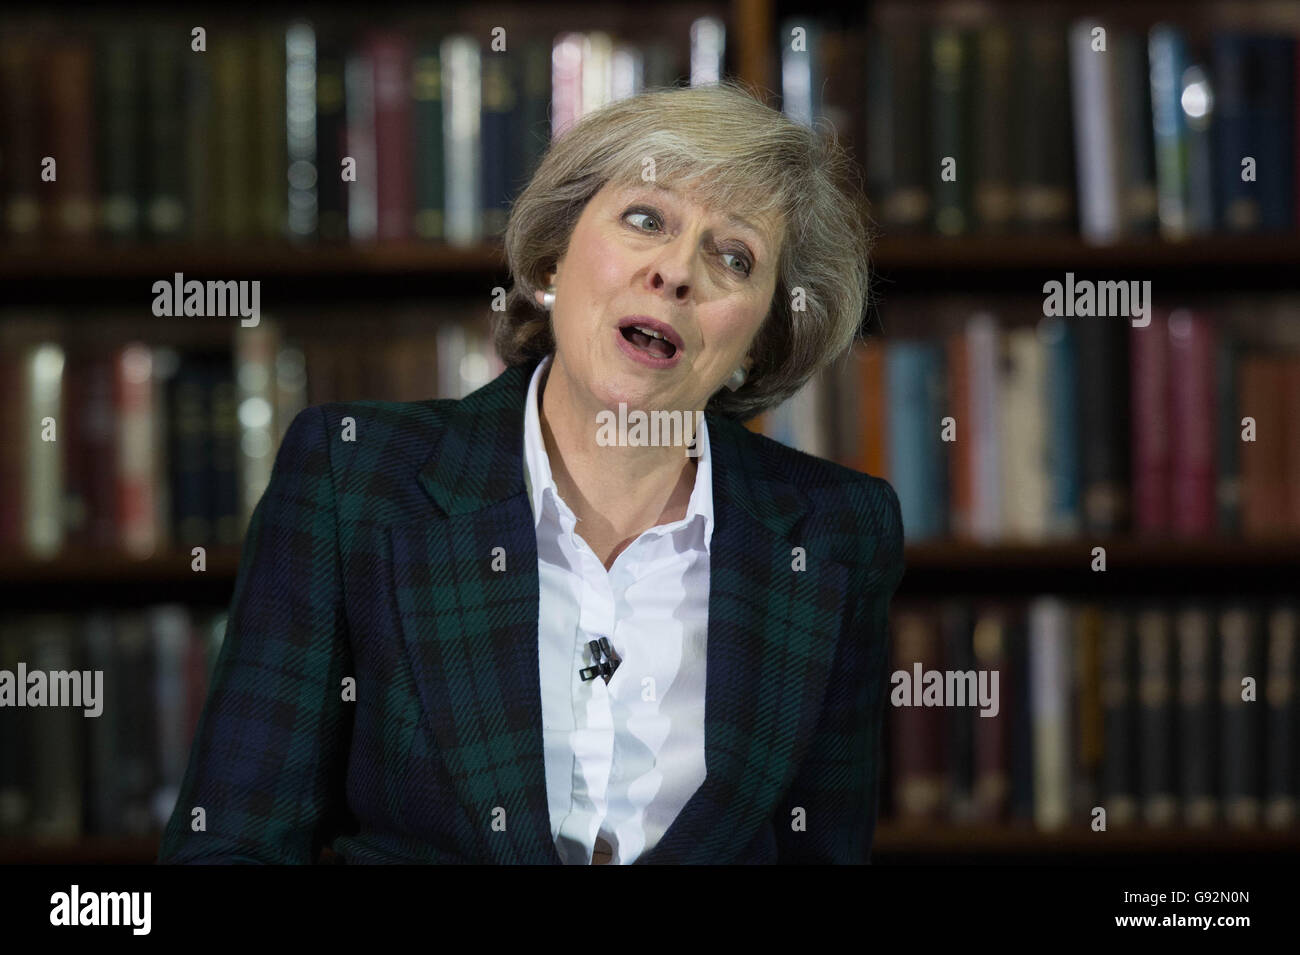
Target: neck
{"x": 615, "y": 492}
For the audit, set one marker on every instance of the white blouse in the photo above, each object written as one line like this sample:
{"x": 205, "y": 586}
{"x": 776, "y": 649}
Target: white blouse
{"x": 621, "y": 759}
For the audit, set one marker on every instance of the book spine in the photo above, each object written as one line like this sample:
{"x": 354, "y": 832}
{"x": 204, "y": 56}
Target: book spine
{"x": 137, "y": 533}
{"x": 461, "y": 90}
{"x": 961, "y": 465}
{"x": 1149, "y": 374}
{"x": 43, "y": 485}
{"x": 993, "y": 199}
{"x": 164, "y": 191}
{"x": 1262, "y": 460}
{"x": 1239, "y": 206}
{"x": 1046, "y": 200}
{"x": 1155, "y": 718}
{"x": 991, "y": 742}
{"x": 1282, "y": 772}
{"x": 1104, "y": 426}
{"x": 359, "y": 116}
{"x": 897, "y": 133}
{"x": 301, "y": 131}
{"x": 225, "y": 511}
{"x": 1273, "y": 59}
{"x": 1095, "y": 122}
{"x": 23, "y": 128}
{"x": 1196, "y": 712}
{"x": 983, "y": 356}
{"x": 499, "y": 105}
{"x": 915, "y": 381}
{"x": 1192, "y": 423}
{"x": 1064, "y": 507}
{"x": 1089, "y": 728}
{"x": 1227, "y": 493}
{"x": 956, "y": 625}
{"x": 950, "y": 104}
{"x": 331, "y": 139}
{"x": 426, "y": 123}
{"x": 271, "y": 166}
{"x": 390, "y": 55}
{"x": 1024, "y": 487}
{"x": 1136, "y": 157}
{"x": 918, "y": 772}
{"x": 232, "y": 195}
{"x": 1119, "y": 705}
{"x": 1239, "y": 724}
{"x": 1167, "y": 50}
{"x": 1049, "y": 693}
{"x": 71, "y": 116}
{"x": 119, "y": 145}
{"x": 57, "y": 746}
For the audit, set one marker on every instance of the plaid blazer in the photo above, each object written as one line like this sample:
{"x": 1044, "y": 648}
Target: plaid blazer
{"x": 377, "y": 690}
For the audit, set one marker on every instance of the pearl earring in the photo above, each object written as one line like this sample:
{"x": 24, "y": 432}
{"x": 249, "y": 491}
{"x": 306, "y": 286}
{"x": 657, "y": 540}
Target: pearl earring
{"x": 548, "y": 298}
{"x": 737, "y": 378}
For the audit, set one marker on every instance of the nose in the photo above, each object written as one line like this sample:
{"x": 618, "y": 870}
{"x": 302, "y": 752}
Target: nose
{"x": 671, "y": 273}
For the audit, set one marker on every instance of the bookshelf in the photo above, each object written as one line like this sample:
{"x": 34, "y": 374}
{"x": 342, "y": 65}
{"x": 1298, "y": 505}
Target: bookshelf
{"x": 74, "y": 273}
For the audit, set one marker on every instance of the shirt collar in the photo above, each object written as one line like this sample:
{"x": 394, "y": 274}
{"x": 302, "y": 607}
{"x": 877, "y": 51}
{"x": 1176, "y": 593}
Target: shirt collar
{"x": 540, "y": 484}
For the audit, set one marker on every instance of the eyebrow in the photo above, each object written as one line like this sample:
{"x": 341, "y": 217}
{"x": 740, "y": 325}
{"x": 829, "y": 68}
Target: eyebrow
{"x": 737, "y": 220}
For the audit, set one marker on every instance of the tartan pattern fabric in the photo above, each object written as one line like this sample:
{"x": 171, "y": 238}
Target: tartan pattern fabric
{"x": 373, "y": 559}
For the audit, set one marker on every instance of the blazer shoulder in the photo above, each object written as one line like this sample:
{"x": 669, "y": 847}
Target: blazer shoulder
{"x": 828, "y": 485}
{"x": 380, "y": 433}
{"x": 856, "y": 515}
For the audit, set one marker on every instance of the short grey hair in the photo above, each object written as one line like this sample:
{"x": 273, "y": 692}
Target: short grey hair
{"x": 731, "y": 152}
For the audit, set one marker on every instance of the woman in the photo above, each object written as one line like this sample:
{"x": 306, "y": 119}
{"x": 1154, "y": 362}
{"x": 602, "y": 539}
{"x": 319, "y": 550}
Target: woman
{"x": 500, "y": 630}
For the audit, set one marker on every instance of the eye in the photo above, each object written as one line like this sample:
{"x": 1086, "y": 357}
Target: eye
{"x": 647, "y": 214}
{"x": 742, "y": 266}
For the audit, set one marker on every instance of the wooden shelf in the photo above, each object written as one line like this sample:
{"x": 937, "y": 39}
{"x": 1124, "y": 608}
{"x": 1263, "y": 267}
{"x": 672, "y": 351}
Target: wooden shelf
{"x": 890, "y": 839}
{"x": 1121, "y": 554}
{"x": 948, "y": 838}
{"x": 1136, "y": 568}
{"x": 1221, "y": 256}
{"x": 245, "y": 260}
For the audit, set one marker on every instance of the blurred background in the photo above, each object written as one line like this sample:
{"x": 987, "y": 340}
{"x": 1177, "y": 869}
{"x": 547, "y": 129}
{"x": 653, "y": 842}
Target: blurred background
{"x": 1116, "y": 156}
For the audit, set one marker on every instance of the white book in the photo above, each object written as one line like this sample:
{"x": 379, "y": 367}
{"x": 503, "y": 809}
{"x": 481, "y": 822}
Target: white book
{"x": 1092, "y": 89}
{"x": 462, "y": 96}
{"x": 985, "y": 430}
{"x": 359, "y": 108}
{"x": 1049, "y": 702}
{"x": 1024, "y": 438}
{"x": 43, "y": 504}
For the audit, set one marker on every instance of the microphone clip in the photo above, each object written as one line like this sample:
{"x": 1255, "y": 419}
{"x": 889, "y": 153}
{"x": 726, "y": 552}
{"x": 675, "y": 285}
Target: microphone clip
{"x": 607, "y": 660}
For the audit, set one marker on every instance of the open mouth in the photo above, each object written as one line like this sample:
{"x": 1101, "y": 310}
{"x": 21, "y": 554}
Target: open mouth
{"x": 649, "y": 341}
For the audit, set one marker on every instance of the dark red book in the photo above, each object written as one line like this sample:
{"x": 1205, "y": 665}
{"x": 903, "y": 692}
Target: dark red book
{"x": 390, "y": 56}
{"x": 1263, "y": 461}
{"x": 1192, "y": 422}
{"x": 1149, "y": 377}
{"x": 72, "y": 118}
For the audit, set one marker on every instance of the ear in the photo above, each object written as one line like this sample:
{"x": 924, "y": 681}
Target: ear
{"x": 547, "y": 279}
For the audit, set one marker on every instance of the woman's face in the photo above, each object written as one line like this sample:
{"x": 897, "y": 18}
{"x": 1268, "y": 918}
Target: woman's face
{"x": 644, "y": 255}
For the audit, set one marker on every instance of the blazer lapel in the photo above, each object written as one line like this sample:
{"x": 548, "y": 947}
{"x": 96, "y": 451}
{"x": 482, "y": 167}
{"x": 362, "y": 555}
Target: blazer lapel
{"x": 471, "y": 635}
{"x": 771, "y": 643}
{"x": 471, "y": 630}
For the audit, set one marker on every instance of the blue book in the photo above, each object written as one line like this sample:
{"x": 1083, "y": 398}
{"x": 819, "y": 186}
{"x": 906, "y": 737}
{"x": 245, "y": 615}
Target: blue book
{"x": 1271, "y": 88}
{"x": 1167, "y": 51}
{"x": 1064, "y": 480}
{"x": 917, "y": 458}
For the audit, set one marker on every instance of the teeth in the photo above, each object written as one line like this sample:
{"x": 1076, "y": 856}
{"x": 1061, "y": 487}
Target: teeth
{"x": 649, "y": 331}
